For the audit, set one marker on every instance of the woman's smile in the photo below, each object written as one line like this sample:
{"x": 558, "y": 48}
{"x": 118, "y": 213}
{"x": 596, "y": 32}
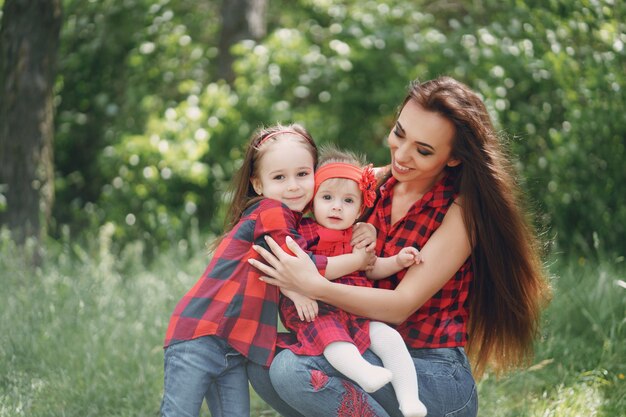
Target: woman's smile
{"x": 400, "y": 168}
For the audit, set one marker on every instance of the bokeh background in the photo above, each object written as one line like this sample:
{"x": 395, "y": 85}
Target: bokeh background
{"x": 151, "y": 103}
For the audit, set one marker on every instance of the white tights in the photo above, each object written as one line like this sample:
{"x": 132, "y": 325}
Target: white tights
{"x": 398, "y": 367}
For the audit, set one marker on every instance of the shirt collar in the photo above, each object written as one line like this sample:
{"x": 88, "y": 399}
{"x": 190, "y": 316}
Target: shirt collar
{"x": 332, "y": 235}
{"x": 297, "y": 215}
{"x": 439, "y": 195}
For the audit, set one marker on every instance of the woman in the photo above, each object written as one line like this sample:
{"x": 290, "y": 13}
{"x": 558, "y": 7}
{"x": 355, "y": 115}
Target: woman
{"x": 450, "y": 193}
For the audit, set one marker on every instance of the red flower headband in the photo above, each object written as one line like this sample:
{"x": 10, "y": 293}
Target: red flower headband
{"x": 364, "y": 177}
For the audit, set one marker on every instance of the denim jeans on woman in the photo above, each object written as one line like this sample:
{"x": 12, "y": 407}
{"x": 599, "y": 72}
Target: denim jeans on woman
{"x": 308, "y": 386}
{"x": 206, "y": 367}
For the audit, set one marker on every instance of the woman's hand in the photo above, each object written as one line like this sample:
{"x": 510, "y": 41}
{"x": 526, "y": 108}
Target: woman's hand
{"x": 297, "y": 273}
{"x": 368, "y": 259}
{"x": 363, "y": 236}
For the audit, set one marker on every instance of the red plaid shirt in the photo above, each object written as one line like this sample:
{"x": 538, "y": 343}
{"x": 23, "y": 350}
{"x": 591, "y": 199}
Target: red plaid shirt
{"x": 229, "y": 300}
{"x": 442, "y": 320}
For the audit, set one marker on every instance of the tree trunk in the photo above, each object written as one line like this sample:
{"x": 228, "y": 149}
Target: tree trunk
{"x": 241, "y": 19}
{"x": 29, "y": 39}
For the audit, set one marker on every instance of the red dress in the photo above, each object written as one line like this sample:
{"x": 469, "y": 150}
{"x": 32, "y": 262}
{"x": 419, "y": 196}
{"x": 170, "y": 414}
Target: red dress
{"x": 332, "y": 324}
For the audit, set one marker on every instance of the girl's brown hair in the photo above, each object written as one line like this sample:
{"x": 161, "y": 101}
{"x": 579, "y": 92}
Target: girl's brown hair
{"x": 509, "y": 287}
{"x": 242, "y": 191}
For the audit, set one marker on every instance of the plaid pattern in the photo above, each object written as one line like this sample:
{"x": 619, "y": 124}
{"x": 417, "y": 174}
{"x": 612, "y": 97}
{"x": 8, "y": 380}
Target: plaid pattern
{"x": 442, "y": 320}
{"x": 331, "y": 324}
{"x": 229, "y": 300}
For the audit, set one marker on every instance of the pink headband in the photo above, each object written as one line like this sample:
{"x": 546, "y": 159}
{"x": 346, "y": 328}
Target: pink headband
{"x": 364, "y": 177}
{"x": 280, "y": 132}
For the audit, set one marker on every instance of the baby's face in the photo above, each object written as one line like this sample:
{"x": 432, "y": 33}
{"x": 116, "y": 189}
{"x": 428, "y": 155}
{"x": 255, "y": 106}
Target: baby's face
{"x": 337, "y": 203}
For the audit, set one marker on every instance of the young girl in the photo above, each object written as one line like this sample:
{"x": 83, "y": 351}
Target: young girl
{"x": 230, "y": 315}
{"x": 343, "y": 188}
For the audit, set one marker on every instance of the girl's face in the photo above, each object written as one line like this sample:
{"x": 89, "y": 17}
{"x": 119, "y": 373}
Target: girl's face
{"x": 337, "y": 203}
{"x": 285, "y": 173}
{"x": 421, "y": 146}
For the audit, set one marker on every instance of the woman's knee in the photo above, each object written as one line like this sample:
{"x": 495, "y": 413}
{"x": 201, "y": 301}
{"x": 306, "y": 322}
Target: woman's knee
{"x": 287, "y": 369}
{"x": 313, "y": 387}
{"x": 447, "y": 386}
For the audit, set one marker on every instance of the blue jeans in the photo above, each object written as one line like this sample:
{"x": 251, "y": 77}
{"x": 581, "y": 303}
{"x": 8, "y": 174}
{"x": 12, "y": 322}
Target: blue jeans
{"x": 308, "y": 386}
{"x": 206, "y": 367}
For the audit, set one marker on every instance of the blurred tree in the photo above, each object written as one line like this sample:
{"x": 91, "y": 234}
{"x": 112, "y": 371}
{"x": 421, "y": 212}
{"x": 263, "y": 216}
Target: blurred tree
{"x": 241, "y": 19}
{"x": 120, "y": 63}
{"x": 93, "y": 92}
{"x": 29, "y": 39}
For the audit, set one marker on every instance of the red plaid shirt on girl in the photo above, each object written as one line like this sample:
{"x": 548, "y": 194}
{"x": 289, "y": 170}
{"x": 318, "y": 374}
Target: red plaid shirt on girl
{"x": 442, "y": 320}
{"x": 229, "y": 300}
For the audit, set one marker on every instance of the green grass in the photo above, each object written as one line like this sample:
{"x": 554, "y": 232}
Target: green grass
{"x": 580, "y": 361}
{"x": 82, "y": 336}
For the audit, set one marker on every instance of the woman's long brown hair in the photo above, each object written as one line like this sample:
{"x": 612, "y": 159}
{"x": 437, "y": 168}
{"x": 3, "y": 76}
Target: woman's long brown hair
{"x": 509, "y": 287}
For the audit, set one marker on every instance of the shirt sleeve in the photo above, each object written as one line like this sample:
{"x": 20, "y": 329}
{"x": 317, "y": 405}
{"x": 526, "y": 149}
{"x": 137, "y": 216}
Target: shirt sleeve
{"x": 278, "y": 221}
{"x": 308, "y": 230}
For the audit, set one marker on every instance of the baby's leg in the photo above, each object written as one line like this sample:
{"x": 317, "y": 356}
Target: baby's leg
{"x": 390, "y": 348}
{"x": 346, "y": 358}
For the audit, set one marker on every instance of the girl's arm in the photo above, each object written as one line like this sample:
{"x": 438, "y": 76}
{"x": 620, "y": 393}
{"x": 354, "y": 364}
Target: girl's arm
{"x": 275, "y": 220}
{"x": 307, "y": 308}
{"x": 443, "y": 255}
{"x": 342, "y": 265}
{"x": 362, "y": 257}
{"x": 385, "y": 267}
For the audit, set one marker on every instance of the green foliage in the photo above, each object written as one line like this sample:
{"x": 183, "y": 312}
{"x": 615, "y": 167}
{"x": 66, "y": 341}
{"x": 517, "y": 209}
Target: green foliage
{"x": 82, "y": 335}
{"x": 176, "y": 169}
{"x": 120, "y": 65}
{"x": 142, "y": 117}
{"x": 554, "y": 77}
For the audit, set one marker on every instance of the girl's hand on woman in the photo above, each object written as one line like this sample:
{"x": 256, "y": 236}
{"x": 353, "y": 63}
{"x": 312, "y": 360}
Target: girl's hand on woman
{"x": 307, "y": 308}
{"x": 363, "y": 236}
{"x": 297, "y": 273}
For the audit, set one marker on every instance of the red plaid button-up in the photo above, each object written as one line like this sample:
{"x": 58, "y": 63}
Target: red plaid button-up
{"x": 229, "y": 300}
{"x": 442, "y": 320}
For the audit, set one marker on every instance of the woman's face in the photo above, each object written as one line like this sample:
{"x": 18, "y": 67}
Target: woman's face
{"x": 421, "y": 146}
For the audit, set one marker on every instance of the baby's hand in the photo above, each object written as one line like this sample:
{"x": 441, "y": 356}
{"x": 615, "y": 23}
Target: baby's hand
{"x": 408, "y": 256}
{"x": 306, "y": 307}
{"x": 368, "y": 258}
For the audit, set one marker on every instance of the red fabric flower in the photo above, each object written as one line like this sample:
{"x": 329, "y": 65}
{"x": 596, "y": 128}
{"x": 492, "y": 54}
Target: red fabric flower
{"x": 367, "y": 185}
